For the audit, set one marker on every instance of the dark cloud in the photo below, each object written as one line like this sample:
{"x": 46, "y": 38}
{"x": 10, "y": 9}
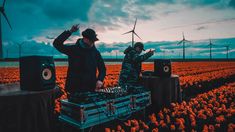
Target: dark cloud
{"x": 201, "y": 23}
{"x": 192, "y": 3}
{"x": 35, "y": 48}
{"x": 108, "y": 13}
{"x": 57, "y": 9}
{"x": 201, "y": 28}
{"x": 232, "y": 3}
{"x": 151, "y": 2}
{"x": 68, "y": 10}
{"x": 21, "y": 2}
{"x": 202, "y": 2}
{"x": 198, "y": 49}
{"x": 34, "y": 17}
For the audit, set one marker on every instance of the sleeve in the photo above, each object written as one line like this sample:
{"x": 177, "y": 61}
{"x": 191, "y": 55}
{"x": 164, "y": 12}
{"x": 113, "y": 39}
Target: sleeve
{"x": 140, "y": 58}
{"x": 101, "y": 67}
{"x": 59, "y": 43}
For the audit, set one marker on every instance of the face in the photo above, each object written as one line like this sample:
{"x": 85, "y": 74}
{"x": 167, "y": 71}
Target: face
{"x": 138, "y": 49}
{"x": 88, "y": 42}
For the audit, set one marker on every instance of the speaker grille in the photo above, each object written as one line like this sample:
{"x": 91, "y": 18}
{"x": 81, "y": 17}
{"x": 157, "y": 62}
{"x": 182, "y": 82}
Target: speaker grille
{"x": 162, "y": 67}
{"x": 166, "y": 69}
{"x": 47, "y": 74}
{"x": 37, "y": 73}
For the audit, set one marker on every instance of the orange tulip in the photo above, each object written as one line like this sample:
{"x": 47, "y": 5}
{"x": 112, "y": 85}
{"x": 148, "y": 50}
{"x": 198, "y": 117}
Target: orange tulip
{"x": 155, "y": 130}
{"x": 107, "y": 130}
{"x": 205, "y": 128}
{"x": 119, "y": 128}
{"x": 172, "y": 127}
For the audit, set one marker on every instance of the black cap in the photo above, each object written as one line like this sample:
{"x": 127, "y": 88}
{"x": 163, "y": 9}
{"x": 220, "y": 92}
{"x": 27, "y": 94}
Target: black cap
{"x": 90, "y": 34}
{"x": 140, "y": 45}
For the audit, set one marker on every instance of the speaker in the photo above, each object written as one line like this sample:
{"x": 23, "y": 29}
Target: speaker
{"x": 163, "y": 90}
{"x": 162, "y": 67}
{"x": 37, "y": 73}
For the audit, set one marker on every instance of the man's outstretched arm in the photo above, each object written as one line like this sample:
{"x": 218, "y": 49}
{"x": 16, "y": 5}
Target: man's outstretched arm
{"x": 59, "y": 41}
{"x": 141, "y": 58}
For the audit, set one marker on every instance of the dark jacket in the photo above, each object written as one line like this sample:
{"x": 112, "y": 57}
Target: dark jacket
{"x": 82, "y": 65}
{"x": 131, "y": 66}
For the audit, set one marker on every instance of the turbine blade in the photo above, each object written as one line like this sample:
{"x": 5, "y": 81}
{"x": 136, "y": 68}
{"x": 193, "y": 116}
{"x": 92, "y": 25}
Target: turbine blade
{"x": 4, "y": 14}
{"x": 137, "y": 35}
{"x": 127, "y": 32}
{"x": 188, "y": 41}
{"x": 135, "y": 24}
{"x": 3, "y": 3}
{"x": 180, "y": 42}
{"x": 214, "y": 45}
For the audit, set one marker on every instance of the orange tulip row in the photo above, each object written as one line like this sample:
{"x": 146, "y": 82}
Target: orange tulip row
{"x": 190, "y": 73}
{"x": 9, "y": 75}
{"x": 211, "y": 111}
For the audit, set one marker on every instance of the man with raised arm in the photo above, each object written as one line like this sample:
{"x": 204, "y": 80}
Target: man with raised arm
{"x": 83, "y": 61}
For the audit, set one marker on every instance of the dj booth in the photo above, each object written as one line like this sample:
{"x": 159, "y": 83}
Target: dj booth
{"x": 26, "y": 111}
{"x": 158, "y": 88}
{"x": 93, "y": 108}
{"x": 29, "y": 107}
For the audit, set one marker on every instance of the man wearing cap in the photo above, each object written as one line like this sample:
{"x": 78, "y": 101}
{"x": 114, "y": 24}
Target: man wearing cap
{"x": 131, "y": 65}
{"x": 83, "y": 61}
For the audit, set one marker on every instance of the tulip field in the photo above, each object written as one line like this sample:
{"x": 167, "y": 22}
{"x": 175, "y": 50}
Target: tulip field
{"x": 211, "y": 111}
{"x": 208, "y": 98}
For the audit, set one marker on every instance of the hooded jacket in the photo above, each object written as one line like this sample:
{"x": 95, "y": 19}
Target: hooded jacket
{"x": 83, "y": 64}
{"x": 131, "y": 66}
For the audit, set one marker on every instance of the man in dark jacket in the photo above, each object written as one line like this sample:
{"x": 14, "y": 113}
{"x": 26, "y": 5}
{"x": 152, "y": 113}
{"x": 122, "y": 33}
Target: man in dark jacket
{"x": 83, "y": 61}
{"x": 131, "y": 65}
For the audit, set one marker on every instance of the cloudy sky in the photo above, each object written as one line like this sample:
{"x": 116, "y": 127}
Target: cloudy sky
{"x": 160, "y": 24}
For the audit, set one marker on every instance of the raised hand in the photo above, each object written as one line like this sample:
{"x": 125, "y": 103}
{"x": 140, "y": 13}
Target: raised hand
{"x": 74, "y": 28}
{"x": 152, "y": 51}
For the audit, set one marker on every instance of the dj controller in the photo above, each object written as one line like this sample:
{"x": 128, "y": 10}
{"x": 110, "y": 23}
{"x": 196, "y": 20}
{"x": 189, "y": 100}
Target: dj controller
{"x": 87, "y": 109}
{"x": 107, "y": 93}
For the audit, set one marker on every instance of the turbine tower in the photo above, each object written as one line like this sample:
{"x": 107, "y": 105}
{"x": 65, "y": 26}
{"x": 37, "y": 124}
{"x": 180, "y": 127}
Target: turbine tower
{"x": 2, "y": 10}
{"x": 183, "y": 41}
{"x": 133, "y": 33}
{"x": 227, "y": 48}
{"x": 20, "y": 48}
{"x": 211, "y": 44}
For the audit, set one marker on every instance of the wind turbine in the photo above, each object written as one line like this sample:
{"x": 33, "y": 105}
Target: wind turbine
{"x": 2, "y": 10}
{"x": 183, "y": 41}
{"x": 227, "y": 48}
{"x": 211, "y": 44}
{"x": 133, "y": 33}
{"x": 20, "y": 47}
